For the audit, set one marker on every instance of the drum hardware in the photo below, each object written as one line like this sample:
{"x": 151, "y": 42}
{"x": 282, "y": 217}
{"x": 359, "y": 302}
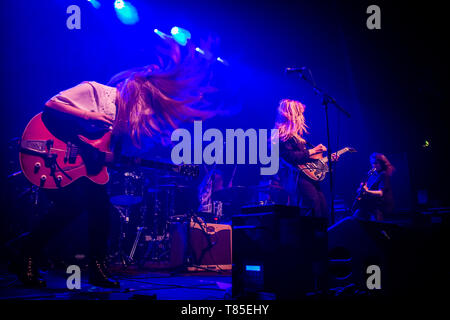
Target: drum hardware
{"x": 127, "y": 188}
{"x": 148, "y": 207}
{"x": 169, "y": 202}
{"x": 270, "y": 194}
{"x": 217, "y": 210}
{"x": 124, "y": 219}
{"x": 136, "y": 240}
{"x": 227, "y": 201}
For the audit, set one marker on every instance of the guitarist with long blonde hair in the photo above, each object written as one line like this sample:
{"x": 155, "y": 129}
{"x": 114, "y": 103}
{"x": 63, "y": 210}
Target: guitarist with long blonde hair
{"x": 292, "y": 127}
{"x": 137, "y": 103}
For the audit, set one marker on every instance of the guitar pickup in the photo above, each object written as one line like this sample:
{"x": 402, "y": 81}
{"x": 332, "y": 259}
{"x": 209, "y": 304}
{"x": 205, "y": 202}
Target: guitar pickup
{"x": 71, "y": 153}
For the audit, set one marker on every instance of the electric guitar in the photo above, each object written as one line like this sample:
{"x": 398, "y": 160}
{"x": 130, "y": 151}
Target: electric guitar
{"x": 361, "y": 194}
{"x": 53, "y": 159}
{"x": 317, "y": 168}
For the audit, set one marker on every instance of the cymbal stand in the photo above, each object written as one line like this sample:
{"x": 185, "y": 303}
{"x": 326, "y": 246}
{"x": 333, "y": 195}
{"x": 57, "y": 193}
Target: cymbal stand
{"x": 124, "y": 219}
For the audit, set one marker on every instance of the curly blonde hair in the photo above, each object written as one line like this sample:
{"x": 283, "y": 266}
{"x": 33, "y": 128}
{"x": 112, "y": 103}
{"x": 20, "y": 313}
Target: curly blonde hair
{"x": 291, "y": 121}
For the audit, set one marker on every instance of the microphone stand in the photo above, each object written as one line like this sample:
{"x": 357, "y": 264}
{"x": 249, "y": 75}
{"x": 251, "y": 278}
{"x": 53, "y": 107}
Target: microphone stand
{"x": 326, "y": 101}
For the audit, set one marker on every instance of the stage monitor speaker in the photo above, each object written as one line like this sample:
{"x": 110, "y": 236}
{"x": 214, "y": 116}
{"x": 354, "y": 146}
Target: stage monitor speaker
{"x": 278, "y": 253}
{"x": 356, "y": 244}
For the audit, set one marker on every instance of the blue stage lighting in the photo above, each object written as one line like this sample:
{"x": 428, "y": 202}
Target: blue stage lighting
{"x": 180, "y": 35}
{"x": 200, "y": 51}
{"x": 119, "y": 4}
{"x": 126, "y": 12}
{"x": 161, "y": 34}
{"x": 224, "y": 62}
{"x": 95, "y": 3}
{"x": 252, "y": 268}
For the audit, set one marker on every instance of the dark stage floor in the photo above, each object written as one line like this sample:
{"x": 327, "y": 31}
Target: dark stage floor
{"x": 135, "y": 285}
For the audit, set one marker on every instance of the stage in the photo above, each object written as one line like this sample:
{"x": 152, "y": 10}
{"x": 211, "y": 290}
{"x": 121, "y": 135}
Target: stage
{"x": 223, "y": 151}
{"x": 134, "y": 285}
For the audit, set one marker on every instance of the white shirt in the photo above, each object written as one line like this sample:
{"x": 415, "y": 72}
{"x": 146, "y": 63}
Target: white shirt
{"x": 90, "y": 96}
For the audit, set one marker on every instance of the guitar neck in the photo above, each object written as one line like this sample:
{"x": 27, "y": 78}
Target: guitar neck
{"x": 183, "y": 169}
{"x": 159, "y": 165}
{"x": 148, "y": 163}
{"x": 337, "y": 153}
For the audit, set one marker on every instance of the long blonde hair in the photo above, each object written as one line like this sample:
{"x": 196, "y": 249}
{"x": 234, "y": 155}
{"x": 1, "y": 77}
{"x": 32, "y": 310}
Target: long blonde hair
{"x": 291, "y": 121}
{"x": 152, "y": 100}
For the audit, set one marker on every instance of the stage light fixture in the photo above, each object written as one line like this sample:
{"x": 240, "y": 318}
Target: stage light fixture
{"x": 200, "y": 51}
{"x": 180, "y": 35}
{"x": 161, "y": 34}
{"x": 95, "y": 3}
{"x": 224, "y": 62}
{"x": 119, "y": 4}
{"x": 126, "y": 12}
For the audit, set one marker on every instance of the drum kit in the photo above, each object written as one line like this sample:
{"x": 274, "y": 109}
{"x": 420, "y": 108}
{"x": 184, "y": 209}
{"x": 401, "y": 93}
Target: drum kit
{"x": 148, "y": 202}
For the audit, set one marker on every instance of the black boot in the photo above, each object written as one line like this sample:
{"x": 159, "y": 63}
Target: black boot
{"x": 28, "y": 272}
{"x": 23, "y": 263}
{"x": 98, "y": 275}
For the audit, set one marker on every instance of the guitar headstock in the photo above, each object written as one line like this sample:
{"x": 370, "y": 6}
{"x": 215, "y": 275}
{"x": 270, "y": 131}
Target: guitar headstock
{"x": 190, "y": 170}
{"x": 350, "y": 149}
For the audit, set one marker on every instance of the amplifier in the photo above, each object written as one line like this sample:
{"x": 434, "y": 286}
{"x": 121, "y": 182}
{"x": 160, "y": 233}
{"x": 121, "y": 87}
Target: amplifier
{"x": 210, "y": 246}
{"x": 205, "y": 246}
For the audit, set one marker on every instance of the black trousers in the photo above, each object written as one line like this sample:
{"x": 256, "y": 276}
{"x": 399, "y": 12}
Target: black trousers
{"x": 68, "y": 203}
{"x": 311, "y": 196}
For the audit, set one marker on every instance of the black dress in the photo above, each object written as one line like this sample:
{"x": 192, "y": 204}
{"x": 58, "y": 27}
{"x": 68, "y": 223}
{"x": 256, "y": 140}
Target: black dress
{"x": 308, "y": 191}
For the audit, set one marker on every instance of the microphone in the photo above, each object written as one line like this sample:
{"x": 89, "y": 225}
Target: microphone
{"x": 371, "y": 171}
{"x": 295, "y": 70}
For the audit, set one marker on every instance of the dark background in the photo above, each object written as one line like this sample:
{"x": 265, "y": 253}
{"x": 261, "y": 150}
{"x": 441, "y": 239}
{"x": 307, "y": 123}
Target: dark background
{"x": 392, "y": 81}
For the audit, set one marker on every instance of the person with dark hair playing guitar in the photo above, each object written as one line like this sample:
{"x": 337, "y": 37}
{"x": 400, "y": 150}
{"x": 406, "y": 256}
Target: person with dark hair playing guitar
{"x": 374, "y": 196}
{"x": 76, "y": 128}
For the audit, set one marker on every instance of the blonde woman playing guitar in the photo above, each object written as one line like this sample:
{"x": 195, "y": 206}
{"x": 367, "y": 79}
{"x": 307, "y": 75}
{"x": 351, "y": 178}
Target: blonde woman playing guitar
{"x": 141, "y": 102}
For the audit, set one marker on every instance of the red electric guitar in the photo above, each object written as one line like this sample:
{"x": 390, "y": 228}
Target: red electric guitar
{"x": 53, "y": 159}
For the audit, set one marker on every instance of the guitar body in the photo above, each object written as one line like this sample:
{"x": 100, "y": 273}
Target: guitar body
{"x": 51, "y": 163}
{"x": 361, "y": 195}
{"x": 55, "y": 150}
{"x": 316, "y": 169}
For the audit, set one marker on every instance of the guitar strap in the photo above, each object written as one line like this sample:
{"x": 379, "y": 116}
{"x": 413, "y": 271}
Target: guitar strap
{"x": 374, "y": 182}
{"x": 309, "y": 144}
